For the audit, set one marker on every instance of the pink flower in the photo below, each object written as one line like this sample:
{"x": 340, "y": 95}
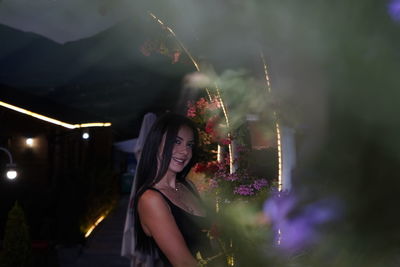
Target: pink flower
{"x": 201, "y": 102}
{"x": 215, "y": 104}
{"x": 191, "y": 113}
{"x": 201, "y": 105}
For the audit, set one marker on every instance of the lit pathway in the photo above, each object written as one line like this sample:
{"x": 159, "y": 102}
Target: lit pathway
{"x": 103, "y": 247}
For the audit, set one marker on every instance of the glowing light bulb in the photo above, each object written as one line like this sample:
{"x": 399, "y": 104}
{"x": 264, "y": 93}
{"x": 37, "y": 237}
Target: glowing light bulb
{"x": 12, "y": 174}
{"x": 85, "y": 136}
{"x": 29, "y": 142}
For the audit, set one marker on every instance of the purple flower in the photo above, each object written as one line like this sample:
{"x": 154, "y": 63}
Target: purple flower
{"x": 394, "y": 9}
{"x": 259, "y": 184}
{"x": 231, "y": 177}
{"x": 244, "y": 190}
{"x": 294, "y": 233}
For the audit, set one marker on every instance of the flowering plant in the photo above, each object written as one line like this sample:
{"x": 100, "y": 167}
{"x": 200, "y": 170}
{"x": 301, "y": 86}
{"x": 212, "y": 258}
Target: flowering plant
{"x": 212, "y": 131}
{"x": 239, "y": 184}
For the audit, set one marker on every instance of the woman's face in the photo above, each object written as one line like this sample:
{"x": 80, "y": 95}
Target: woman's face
{"x": 182, "y": 151}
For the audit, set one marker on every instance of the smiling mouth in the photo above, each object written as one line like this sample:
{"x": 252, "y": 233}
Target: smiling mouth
{"x": 179, "y": 161}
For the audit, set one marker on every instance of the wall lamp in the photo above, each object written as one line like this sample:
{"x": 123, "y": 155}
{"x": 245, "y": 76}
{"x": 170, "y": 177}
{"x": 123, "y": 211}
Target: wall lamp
{"x": 11, "y": 171}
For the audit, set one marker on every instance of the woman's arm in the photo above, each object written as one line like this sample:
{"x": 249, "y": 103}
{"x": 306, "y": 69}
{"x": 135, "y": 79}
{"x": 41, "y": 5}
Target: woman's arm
{"x": 158, "y": 222}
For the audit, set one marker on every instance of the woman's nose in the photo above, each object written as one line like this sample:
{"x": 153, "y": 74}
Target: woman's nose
{"x": 184, "y": 150}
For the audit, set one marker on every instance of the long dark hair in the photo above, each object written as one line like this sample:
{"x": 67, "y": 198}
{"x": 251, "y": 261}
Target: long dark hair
{"x": 148, "y": 172}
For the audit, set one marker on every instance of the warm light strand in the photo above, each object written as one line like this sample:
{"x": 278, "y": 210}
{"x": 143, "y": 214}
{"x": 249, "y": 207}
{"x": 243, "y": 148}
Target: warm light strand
{"x": 230, "y": 148}
{"x": 231, "y": 257}
{"x": 91, "y": 228}
{"x": 278, "y": 139}
{"x": 196, "y": 65}
{"x": 54, "y": 121}
{"x": 278, "y": 131}
{"x": 266, "y": 73}
{"x": 279, "y": 144}
{"x": 93, "y": 124}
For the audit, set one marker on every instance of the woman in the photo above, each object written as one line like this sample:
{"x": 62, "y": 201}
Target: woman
{"x": 168, "y": 214}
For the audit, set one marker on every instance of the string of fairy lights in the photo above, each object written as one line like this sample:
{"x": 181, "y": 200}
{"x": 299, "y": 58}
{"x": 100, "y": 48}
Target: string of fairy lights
{"x": 278, "y": 137}
{"x": 277, "y": 127}
{"x": 54, "y": 121}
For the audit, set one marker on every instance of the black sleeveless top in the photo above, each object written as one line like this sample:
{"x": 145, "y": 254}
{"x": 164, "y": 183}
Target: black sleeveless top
{"x": 191, "y": 227}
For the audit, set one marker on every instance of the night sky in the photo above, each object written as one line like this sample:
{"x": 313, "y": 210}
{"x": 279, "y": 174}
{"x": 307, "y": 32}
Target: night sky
{"x": 61, "y": 20}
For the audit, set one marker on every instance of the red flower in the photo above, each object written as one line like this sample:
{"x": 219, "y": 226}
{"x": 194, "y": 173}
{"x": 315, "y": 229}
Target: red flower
{"x": 199, "y": 167}
{"x": 209, "y": 128}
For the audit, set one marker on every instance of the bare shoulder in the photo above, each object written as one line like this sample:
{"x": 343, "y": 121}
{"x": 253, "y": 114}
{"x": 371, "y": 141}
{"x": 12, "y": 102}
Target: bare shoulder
{"x": 152, "y": 208}
{"x": 150, "y": 200}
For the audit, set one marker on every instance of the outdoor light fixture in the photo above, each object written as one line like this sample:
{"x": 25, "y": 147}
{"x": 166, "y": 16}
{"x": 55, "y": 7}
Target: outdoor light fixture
{"x": 29, "y": 142}
{"x": 11, "y": 172}
{"x": 85, "y": 136}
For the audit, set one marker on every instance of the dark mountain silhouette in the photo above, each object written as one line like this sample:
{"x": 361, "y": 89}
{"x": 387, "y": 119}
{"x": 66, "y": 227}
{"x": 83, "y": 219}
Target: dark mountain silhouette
{"x": 24, "y": 56}
{"x": 105, "y": 74}
{"x": 28, "y": 59}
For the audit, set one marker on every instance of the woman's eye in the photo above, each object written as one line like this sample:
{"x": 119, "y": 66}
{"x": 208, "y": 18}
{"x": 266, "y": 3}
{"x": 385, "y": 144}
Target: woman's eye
{"x": 177, "y": 141}
{"x": 190, "y": 145}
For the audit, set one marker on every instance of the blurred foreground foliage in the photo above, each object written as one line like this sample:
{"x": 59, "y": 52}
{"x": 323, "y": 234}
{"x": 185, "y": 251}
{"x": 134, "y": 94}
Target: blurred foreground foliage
{"x": 342, "y": 61}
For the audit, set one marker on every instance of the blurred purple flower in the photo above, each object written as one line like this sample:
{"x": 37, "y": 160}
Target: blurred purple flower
{"x": 394, "y": 9}
{"x": 298, "y": 232}
{"x": 278, "y": 206}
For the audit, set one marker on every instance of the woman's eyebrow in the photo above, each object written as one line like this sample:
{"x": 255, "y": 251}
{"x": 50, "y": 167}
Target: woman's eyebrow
{"x": 180, "y": 138}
